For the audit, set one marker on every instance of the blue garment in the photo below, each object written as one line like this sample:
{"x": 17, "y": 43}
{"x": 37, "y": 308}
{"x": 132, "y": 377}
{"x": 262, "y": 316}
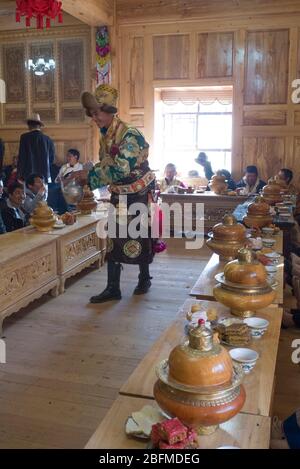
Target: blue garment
{"x": 2, "y": 226}
{"x": 291, "y": 428}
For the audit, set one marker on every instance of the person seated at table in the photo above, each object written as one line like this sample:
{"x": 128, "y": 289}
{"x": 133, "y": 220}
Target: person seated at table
{"x": 230, "y": 182}
{"x": 202, "y": 159}
{"x": 170, "y": 179}
{"x": 286, "y": 434}
{"x": 286, "y": 175}
{"x": 71, "y": 166}
{"x": 10, "y": 173}
{"x": 13, "y": 214}
{"x": 193, "y": 174}
{"x": 2, "y": 226}
{"x": 250, "y": 184}
{"x": 35, "y": 192}
{"x": 2, "y": 195}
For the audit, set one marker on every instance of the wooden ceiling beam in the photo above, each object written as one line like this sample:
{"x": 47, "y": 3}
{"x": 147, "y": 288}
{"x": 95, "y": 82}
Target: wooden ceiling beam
{"x": 91, "y": 12}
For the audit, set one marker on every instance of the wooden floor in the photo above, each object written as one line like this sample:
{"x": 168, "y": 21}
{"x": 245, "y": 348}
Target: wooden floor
{"x": 66, "y": 360}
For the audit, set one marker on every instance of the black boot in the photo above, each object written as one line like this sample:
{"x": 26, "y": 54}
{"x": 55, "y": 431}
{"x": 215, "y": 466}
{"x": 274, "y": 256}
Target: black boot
{"x": 144, "y": 280}
{"x": 112, "y": 291}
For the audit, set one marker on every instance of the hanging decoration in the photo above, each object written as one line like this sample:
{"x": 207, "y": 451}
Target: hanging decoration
{"x": 40, "y": 10}
{"x": 103, "y": 56}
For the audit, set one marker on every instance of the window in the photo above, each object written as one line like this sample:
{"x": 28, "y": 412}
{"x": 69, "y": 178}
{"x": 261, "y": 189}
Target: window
{"x": 189, "y": 128}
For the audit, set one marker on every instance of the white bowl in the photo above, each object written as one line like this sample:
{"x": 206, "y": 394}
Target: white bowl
{"x": 244, "y": 355}
{"x": 271, "y": 269}
{"x": 268, "y": 242}
{"x": 267, "y": 230}
{"x": 273, "y": 255}
{"x": 258, "y": 326}
{"x": 228, "y": 447}
{"x": 257, "y": 323}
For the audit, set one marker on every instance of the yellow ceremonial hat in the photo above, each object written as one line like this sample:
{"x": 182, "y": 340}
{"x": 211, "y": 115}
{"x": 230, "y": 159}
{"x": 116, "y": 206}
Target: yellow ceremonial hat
{"x": 105, "y": 97}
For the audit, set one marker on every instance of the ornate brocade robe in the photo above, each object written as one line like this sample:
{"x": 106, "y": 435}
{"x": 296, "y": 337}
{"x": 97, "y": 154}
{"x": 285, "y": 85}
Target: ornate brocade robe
{"x": 124, "y": 167}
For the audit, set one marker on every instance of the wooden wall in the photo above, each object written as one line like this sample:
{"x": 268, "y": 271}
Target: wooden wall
{"x": 56, "y": 95}
{"x": 253, "y": 46}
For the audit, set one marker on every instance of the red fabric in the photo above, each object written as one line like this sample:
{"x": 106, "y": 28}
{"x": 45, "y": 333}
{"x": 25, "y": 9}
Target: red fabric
{"x": 39, "y": 9}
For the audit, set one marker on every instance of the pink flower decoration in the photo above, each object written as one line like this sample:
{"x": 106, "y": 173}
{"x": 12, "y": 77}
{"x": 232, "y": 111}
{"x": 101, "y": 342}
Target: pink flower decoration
{"x": 159, "y": 246}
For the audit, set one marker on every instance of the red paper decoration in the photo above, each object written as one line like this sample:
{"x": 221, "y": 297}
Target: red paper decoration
{"x": 39, "y": 9}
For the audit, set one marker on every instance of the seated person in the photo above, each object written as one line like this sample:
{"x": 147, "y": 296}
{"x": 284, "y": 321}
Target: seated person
{"x": 202, "y": 159}
{"x": 2, "y": 195}
{"x": 13, "y": 214}
{"x": 286, "y": 175}
{"x": 250, "y": 184}
{"x": 170, "y": 178}
{"x": 35, "y": 192}
{"x": 230, "y": 182}
{"x": 193, "y": 174}
{"x": 72, "y": 165}
{"x": 286, "y": 434}
{"x": 2, "y": 226}
{"x": 10, "y": 173}
{"x": 54, "y": 171}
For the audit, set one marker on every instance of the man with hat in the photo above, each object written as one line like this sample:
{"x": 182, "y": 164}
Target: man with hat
{"x": 36, "y": 151}
{"x": 124, "y": 167}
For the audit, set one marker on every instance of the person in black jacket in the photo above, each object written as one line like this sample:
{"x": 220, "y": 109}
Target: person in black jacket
{"x": 36, "y": 151}
{"x": 13, "y": 215}
{"x": 2, "y": 151}
{"x": 202, "y": 159}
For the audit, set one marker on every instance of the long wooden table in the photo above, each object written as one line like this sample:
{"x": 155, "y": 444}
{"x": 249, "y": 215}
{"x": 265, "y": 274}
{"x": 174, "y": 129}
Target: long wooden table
{"x": 203, "y": 288}
{"x": 78, "y": 245}
{"x": 28, "y": 270}
{"x": 259, "y": 384}
{"x": 214, "y": 206}
{"x": 243, "y": 431}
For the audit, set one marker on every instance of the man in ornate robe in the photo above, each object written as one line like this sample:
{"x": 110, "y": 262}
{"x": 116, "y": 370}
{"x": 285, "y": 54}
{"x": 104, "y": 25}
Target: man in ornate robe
{"x": 124, "y": 167}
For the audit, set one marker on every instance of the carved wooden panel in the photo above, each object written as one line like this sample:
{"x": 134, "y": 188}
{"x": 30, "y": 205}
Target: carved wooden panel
{"x": 297, "y": 118}
{"x": 47, "y": 115}
{"x": 214, "y": 55}
{"x": 72, "y": 114}
{"x": 267, "y": 153}
{"x": 293, "y": 164}
{"x": 171, "y": 56}
{"x": 42, "y": 86}
{"x": 20, "y": 277}
{"x": 137, "y": 120}
{"x": 266, "y": 73}
{"x": 265, "y": 117}
{"x": 71, "y": 58}
{"x": 137, "y": 73}
{"x": 15, "y": 116}
{"x": 14, "y": 73}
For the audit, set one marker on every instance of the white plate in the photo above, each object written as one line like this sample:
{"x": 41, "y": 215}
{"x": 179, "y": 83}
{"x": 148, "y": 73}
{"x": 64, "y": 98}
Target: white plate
{"x": 59, "y": 227}
{"x": 273, "y": 255}
{"x": 244, "y": 355}
{"x": 228, "y": 447}
{"x": 271, "y": 269}
{"x": 257, "y": 323}
{"x": 268, "y": 242}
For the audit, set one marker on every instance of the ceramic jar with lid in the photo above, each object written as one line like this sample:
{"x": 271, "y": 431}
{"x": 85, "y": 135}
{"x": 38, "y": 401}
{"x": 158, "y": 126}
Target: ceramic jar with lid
{"x": 87, "y": 203}
{"x": 227, "y": 238}
{"x": 272, "y": 192}
{"x": 218, "y": 184}
{"x": 243, "y": 287}
{"x": 258, "y": 214}
{"x": 43, "y": 218}
{"x": 199, "y": 384}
